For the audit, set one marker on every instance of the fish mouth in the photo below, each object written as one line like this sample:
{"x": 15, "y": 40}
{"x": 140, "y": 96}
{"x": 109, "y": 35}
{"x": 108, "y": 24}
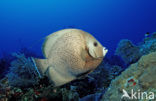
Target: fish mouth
{"x": 105, "y": 51}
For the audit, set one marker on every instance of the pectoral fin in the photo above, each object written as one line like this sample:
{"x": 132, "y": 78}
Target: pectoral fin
{"x": 84, "y": 54}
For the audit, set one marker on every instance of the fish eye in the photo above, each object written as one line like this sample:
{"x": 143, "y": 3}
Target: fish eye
{"x": 95, "y": 44}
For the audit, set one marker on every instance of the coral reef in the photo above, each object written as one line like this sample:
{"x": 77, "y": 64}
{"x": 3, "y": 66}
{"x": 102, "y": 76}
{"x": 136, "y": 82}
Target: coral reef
{"x": 148, "y": 45}
{"x": 24, "y": 84}
{"x": 103, "y": 75}
{"x": 139, "y": 76}
{"x": 131, "y": 53}
{"x": 106, "y": 83}
{"x": 22, "y": 72}
{"x": 39, "y": 93}
{"x": 4, "y": 67}
{"x": 92, "y": 97}
{"x": 5, "y": 64}
{"x": 128, "y": 51}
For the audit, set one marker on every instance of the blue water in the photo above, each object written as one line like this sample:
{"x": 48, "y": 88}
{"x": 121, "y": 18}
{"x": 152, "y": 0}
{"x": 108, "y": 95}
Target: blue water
{"x": 24, "y": 22}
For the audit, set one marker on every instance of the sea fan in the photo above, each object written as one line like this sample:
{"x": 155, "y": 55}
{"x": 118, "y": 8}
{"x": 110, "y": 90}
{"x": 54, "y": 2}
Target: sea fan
{"x": 22, "y": 72}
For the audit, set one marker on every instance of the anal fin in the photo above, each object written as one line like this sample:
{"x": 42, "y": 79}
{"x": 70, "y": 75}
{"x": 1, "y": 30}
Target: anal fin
{"x": 58, "y": 78}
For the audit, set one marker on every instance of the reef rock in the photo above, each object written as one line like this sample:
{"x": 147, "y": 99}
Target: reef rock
{"x": 129, "y": 52}
{"x": 148, "y": 45}
{"x": 138, "y": 82}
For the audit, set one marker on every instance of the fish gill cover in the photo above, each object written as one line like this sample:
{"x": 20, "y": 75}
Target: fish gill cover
{"x": 24, "y": 22}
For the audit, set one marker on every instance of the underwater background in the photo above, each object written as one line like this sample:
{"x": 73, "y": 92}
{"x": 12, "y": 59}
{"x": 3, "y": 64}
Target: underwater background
{"x": 127, "y": 28}
{"x": 24, "y": 22}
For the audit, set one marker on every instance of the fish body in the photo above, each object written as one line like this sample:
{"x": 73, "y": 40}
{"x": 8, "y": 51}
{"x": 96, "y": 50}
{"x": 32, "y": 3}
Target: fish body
{"x": 69, "y": 54}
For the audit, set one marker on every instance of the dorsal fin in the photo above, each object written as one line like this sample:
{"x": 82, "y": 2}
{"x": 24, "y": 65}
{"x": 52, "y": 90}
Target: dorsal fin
{"x": 50, "y": 41}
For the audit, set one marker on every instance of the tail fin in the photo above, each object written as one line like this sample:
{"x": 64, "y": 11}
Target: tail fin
{"x": 41, "y": 64}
